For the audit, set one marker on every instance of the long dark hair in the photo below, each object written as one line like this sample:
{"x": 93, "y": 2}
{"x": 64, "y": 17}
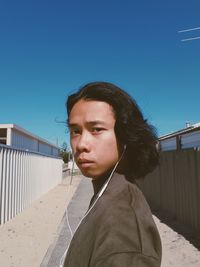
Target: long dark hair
{"x": 130, "y": 127}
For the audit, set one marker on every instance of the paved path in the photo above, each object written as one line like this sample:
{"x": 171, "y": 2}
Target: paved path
{"x": 25, "y": 239}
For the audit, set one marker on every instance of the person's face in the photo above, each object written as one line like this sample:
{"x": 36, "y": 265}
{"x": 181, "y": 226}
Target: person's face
{"x": 92, "y": 137}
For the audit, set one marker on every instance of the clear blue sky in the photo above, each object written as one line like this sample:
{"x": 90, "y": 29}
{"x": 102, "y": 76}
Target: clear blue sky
{"x": 49, "y": 48}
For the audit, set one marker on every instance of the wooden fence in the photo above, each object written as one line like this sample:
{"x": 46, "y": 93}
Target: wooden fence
{"x": 24, "y": 177}
{"x": 174, "y": 187}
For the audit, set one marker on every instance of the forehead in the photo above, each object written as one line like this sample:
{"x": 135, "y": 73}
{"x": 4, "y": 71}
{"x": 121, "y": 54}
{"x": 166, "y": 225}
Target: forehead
{"x": 91, "y": 110}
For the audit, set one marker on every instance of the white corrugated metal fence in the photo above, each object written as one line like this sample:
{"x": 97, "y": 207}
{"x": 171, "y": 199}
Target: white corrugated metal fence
{"x": 24, "y": 177}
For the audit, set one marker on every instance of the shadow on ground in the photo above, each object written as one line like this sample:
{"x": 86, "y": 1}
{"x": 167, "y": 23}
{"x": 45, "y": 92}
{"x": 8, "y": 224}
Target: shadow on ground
{"x": 191, "y": 236}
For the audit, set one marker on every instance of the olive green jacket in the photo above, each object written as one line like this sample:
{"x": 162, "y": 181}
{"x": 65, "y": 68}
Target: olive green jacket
{"x": 119, "y": 231}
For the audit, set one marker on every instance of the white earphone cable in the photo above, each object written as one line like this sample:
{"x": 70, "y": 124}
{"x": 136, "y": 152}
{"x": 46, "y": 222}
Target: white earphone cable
{"x": 99, "y": 195}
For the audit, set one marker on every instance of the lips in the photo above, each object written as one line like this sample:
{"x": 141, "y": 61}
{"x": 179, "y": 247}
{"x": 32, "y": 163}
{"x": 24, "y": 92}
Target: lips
{"x": 84, "y": 163}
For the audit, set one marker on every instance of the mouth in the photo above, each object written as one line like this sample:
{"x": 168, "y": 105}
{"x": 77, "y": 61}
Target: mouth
{"x": 84, "y": 163}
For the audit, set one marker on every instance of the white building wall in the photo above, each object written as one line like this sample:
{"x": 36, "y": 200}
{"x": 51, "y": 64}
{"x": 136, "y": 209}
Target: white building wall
{"x": 168, "y": 144}
{"x": 23, "y": 141}
{"x": 14, "y": 136}
{"x": 190, "y": 140}
{"x": 9, "y": 137}
{"x": 45, "y": 149}
{"x": 55, "y": 151}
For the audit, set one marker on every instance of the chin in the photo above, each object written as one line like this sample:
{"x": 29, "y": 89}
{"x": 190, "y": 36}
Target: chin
{"x": 86, "y": 173}
{"x": 90, "y": 174}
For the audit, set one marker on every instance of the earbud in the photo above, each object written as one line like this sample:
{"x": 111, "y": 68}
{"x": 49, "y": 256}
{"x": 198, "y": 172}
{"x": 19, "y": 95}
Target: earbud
{"x": 124, "y": 147}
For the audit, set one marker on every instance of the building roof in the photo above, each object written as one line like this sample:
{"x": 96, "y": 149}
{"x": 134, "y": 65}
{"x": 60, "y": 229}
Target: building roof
{"x": 188, "y": 129}
{"x": 22, "y": 130}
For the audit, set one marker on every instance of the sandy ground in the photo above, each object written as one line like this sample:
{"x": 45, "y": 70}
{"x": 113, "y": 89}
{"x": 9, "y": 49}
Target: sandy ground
{"x": 177, "y": 251}
{"x": 26, "y": 238}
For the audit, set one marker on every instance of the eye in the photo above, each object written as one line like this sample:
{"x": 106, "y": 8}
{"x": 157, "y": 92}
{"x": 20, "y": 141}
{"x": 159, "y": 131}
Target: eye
{"x": 97, "y": 130}
{"x": 74, "y": 131}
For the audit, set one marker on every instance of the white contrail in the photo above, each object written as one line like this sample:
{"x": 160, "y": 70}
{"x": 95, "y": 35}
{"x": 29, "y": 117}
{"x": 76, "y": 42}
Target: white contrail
{"x": 190, "y": 39}
{"x": 189, "y": 30}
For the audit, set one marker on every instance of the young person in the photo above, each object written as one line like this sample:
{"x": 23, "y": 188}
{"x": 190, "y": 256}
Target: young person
{"x": 113, "y": 145}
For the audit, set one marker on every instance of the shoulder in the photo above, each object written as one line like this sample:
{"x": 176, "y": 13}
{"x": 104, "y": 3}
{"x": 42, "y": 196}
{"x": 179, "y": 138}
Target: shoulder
{"x": 122, "y": 194}
{"x": 125, "y": 223}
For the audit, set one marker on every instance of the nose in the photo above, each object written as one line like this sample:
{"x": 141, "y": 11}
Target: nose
{"x": 83, "y": 143}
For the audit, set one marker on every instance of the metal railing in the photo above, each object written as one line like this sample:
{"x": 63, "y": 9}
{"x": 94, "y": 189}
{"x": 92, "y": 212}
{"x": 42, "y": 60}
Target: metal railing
{"x": 24, "y": 177}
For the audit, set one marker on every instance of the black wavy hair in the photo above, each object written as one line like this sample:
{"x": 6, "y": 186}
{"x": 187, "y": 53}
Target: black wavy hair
{"x": 130, "y": 127}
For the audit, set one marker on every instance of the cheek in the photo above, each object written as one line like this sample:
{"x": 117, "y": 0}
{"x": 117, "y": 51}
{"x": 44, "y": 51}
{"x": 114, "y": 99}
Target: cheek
{"x": 108, "y": 146}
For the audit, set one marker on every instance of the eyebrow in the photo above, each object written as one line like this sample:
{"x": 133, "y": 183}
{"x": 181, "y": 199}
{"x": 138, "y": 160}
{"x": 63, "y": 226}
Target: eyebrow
{"x": 90, "y": 123}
